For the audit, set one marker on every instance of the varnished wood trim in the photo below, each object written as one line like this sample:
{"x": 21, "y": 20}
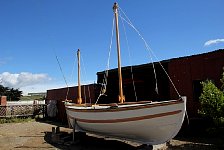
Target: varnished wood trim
{"x": 128, "y": 119}
{"x": 147, "y": 105}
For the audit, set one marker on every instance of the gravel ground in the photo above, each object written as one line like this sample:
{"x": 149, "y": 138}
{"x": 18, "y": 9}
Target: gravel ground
{"x": 38, "y": 135}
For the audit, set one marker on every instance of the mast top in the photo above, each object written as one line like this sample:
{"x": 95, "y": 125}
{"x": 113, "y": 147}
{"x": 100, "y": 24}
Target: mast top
{"x": 115, "y": 7}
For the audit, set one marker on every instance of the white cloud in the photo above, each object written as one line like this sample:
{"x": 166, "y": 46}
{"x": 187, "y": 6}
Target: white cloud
{"x": 31, "y": 83}
{"x": 216, "y": 41}
{"x": 22, "y": 79}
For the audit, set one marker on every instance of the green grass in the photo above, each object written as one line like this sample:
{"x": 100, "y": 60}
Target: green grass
{"x": 28, "y": 98}
{"x": 16, "y": 120}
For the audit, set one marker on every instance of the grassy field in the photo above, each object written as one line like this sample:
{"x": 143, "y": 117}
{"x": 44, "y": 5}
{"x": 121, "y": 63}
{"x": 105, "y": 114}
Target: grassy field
{"x": 16, "y": 120}
{"x": 29, "y": 98}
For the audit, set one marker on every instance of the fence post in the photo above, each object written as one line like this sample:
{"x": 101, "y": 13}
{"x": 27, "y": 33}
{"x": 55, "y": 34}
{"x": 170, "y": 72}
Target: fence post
{"x": 3, "y": 101}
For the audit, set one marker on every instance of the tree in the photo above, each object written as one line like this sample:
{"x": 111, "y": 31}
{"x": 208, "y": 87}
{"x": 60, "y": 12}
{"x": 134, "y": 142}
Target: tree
{"x": 12, "y": 94}
{"x": 3, "y": 90}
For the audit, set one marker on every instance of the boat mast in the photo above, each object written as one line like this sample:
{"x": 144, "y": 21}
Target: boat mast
{"x": 79, "y": 98}
{"x": 121, "y": 95}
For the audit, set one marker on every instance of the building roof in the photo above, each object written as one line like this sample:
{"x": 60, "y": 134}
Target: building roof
{"x": 162, "y": 62}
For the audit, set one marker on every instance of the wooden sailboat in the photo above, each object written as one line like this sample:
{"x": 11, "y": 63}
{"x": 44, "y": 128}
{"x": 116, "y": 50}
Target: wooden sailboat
{"x": 144, "y": 122}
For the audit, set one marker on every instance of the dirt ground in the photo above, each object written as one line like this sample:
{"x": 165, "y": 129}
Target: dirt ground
{"x": 38, "y": 135}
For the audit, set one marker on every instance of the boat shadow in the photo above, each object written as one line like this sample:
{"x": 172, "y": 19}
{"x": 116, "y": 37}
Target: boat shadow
{"x": 52, "y": 121}
{"x": 196, "y": 137}
{"x": 64, "y": 141}
{"x": 196, "y": 142}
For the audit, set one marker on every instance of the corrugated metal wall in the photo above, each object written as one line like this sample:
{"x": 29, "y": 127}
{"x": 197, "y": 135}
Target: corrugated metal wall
{"x": 186, "y": 72}
{"x": 144, "y": 81}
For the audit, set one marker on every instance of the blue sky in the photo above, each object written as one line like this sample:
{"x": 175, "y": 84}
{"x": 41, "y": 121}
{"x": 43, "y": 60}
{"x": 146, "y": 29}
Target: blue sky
{"x": 32, "y": 32}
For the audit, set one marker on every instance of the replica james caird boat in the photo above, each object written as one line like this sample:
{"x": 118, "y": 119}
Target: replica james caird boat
{"x": 144, "y": 122}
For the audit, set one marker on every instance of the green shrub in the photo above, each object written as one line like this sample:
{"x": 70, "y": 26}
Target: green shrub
{"x": 222, "y": 81}
{"x": 212, "y": 101}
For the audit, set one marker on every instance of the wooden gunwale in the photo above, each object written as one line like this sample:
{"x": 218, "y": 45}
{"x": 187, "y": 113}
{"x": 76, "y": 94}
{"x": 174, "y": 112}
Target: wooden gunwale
{"x": 147, "y": 105}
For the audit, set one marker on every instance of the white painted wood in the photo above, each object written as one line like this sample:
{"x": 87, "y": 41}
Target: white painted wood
{"x": 158, "y": 129}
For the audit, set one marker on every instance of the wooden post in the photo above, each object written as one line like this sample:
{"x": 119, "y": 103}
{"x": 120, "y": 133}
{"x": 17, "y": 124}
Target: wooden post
{"x": 79, "y": 98}
{"x": 73, "y": 131}
{"x": 121, "y": 95}
{"x": 3, "y": 100}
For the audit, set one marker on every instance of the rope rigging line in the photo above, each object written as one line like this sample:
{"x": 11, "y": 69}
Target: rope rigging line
{"x": 73, "y": 68}
{"x": 104, "y": 84}
{"x": 132, "y": 75}
{"x": 84, "y": 89}
{"x": 84, "y": 70}
{"x": 68, "y": 89}
{"x": 146, "y": 45}
{"x": 150, "y": 52}
{"x": 62, "y": 73}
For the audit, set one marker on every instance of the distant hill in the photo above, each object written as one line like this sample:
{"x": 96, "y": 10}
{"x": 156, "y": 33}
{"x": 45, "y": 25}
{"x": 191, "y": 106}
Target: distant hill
{"x": 37, "y": 94}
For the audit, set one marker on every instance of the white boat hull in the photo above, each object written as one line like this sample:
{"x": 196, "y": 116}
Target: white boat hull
{"x": 147, "y": 123}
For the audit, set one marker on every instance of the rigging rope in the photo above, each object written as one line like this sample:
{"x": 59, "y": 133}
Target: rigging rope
{"x": 73, "y": 68}
{"x": 150, "y": 52}
{"x": 146, "y": 45}
{"x": 104, "y": 84}
{"x": 84, "y": 70}
{"x": 132, "y": 75}
{"x": 61, "y": 72}
{"x": 68, "y": 89}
